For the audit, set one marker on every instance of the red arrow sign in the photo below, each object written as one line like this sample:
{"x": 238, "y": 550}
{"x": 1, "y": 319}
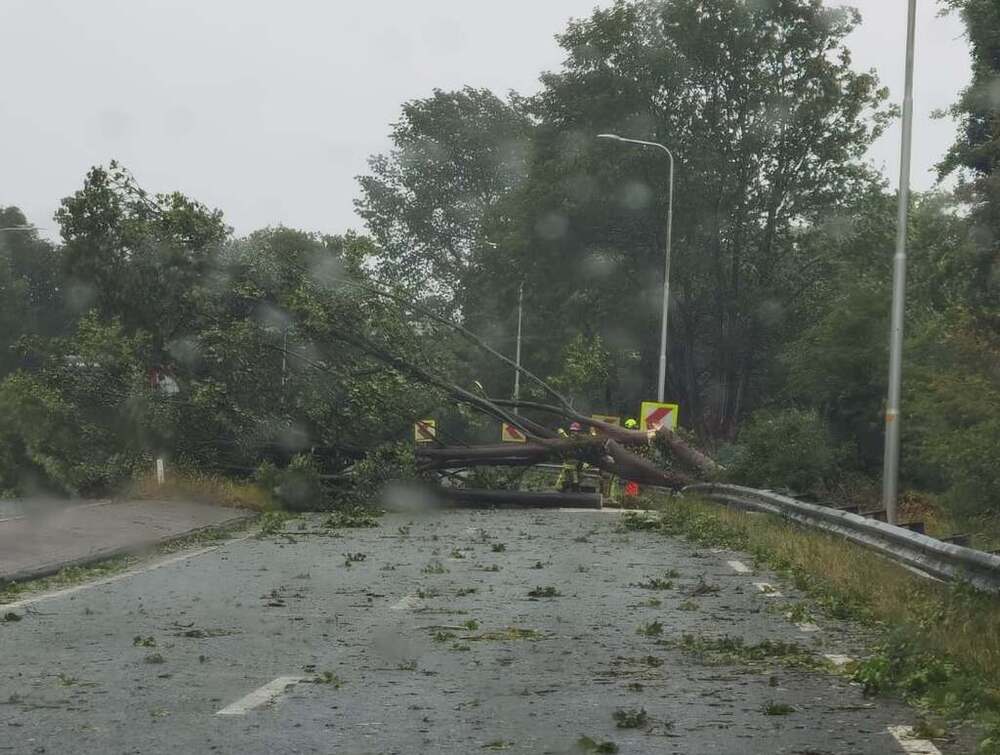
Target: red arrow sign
{"x": 425, "y": 430}
{"x": 510, "y": 434}
{"x": 656, "y": 418}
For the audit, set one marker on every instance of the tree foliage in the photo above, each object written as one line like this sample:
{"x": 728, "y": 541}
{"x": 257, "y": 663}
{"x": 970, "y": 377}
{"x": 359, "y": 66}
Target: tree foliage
{"x": 787, "y": 447}
{"x": 769, "y": 122}
{"x": 311, "y": 354}
{"x": 455, "y": 156}
{"x": 976, "y": 153}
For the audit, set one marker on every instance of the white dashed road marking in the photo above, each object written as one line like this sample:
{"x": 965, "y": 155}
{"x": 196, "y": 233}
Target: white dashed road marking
{"x": 769, "y": 590}
{"x": 406, "y": 604}
{"x": 910, "y": 744}
{"x": 807, "y": 626}
{"x": 261, "y": 696}
{"x": 116, "y": 577}
{"x": 739, "y": 567}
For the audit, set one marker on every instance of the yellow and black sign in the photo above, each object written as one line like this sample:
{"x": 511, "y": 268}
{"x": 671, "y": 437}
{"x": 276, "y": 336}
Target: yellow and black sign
{"x": 425, "y": 431}
{"x": 510, "y": 434}
{"x": 655, "y": 415}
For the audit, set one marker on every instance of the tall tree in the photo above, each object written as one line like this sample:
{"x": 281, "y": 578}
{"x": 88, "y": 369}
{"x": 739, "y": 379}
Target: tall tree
{"x": 30, "y": 286}
{"x": 976, "y": 153}
{"x": 455, "y": 156}
{"x": 136, "y": 256}
{"x": 769, "y": 123}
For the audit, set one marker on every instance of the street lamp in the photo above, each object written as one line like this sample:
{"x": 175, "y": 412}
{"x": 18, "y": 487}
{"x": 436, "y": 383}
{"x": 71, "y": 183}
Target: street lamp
{"x": 666, "y": 263}
{"x": 890, "y": 469}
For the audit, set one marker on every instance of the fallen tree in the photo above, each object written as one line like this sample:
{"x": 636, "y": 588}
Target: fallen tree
{"x": 610, "y": 448}
{"x": 680, "y": 448}
{"x": 607, "y": 454}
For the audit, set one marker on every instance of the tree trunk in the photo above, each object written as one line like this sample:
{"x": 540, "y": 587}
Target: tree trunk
{"x": 605, "y": 453}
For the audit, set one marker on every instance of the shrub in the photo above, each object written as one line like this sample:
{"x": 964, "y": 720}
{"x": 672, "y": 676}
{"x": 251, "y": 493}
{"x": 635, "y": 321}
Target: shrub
{"x": 191, "y": 485}
{"x": 951, "y": 432}
{"x": 495, "y": 478}
{"x": 297, "y": 487}
{"x": 384, "y": 464}
{"x": 786, "y": 447}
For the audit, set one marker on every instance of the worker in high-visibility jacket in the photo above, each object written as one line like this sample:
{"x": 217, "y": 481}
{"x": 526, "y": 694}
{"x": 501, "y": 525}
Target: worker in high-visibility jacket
{"x": 572, "y": 469}
{"x": 631, "y": 488}
{"x": 611, "y": 483}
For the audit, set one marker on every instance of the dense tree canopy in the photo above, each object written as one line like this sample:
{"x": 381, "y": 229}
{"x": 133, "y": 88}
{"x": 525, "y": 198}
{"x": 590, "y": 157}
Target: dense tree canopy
{"x": 976, "y": 153}
{"x": 769, "y": 123}
{"x": 455, "y": 156}
{"x": 311, "y": 351}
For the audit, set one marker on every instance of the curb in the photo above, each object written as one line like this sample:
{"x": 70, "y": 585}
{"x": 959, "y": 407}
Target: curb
{"x": 106, "y": 554}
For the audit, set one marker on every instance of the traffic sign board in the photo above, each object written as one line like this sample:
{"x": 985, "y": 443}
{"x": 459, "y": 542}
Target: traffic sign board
{"x": 510, "y": 434}
{"x": 425, "y": 431}
{"x": 655, "y": 415}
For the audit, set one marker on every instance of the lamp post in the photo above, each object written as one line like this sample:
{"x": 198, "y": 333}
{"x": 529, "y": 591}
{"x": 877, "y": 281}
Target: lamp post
{"x": 517, "y": 356}
{"x": 661, "y": 385}
{"x": 890, "y": 468}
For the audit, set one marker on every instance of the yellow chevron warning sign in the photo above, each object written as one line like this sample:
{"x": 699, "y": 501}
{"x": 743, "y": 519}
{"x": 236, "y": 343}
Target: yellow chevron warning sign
{"x": 655, "y": 415}
{"x": 510, "y": 434}
{"x": 425, "y": 431}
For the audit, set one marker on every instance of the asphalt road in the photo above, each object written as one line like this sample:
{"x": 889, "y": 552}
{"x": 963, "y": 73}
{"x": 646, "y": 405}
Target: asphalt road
{"x": 276, "y": 645}
{"x": 14, "y": 508}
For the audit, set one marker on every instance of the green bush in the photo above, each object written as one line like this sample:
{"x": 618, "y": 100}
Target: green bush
{"x": 297, "y": 487}
{"x": 495, "y": 478}
{"x": 969, "y": 458}
{"x": 384, "y": 464}
{"x": 787, "y": 447}
{"x": 951, "y": 427}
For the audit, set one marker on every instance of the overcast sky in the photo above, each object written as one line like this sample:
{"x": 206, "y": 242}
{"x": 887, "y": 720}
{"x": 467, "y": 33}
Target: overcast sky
{"x": 268, "y": 110}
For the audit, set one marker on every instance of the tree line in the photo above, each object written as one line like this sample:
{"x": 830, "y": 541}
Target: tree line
{"x": 783, "y": 238}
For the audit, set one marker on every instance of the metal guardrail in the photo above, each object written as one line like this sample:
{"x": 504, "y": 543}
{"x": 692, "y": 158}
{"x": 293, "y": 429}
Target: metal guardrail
{"x": 945, "y": 561}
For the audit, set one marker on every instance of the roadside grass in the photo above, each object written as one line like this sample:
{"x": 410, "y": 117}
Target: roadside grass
{"x": 272, "y": 522}
{"x": 939, "y": 646}
{"x": 202, "y": 488}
